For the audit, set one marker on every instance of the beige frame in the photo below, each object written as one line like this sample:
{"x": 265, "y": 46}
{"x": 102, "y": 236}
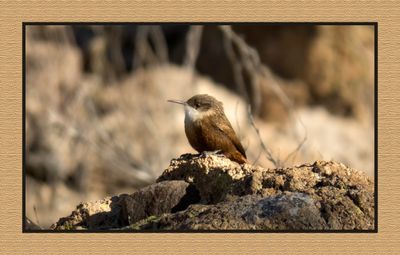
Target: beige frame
{"x": 12, "y": 15}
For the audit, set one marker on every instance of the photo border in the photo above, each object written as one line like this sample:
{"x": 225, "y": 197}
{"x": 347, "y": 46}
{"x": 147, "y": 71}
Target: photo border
{"x": 375, "y": 26}
{"x": 386, "y": 241}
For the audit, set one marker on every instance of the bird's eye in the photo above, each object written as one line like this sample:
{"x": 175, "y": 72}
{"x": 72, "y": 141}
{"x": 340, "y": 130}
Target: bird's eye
{"x": 197, "y": 105}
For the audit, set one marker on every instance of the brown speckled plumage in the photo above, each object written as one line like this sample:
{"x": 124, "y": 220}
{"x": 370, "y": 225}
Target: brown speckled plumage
{"x": 210, "y": 129}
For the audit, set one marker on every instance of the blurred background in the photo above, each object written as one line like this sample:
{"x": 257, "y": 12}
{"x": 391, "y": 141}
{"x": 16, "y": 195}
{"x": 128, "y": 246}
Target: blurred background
{"x": 98, "y": 122}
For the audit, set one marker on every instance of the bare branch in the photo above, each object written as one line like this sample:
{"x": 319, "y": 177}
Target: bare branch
{"x": 237, "y": 68}
{"x": 105, "y": 146}
{"x": 193, "y": 41}
{"x": 160, "y": 44}
{"x": 295, "y": 151}
{"x": 36, "y": 216}
{"x": 143, "y": 53}
{"x": 249, "y": 60}
{"x": 252, "y": 63}
{"x": 265, "y": 148}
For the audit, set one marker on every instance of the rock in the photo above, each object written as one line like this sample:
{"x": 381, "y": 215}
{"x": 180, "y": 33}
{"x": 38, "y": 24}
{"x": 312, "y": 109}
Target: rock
{"x": 343, "y": 195}
{"x": 291, "y": 211}
{"x": 164, "y": 197}
{"x": 214, "y": 193}
{"x": 102, "y": 214}
{"x": 119, "y": 211}
{"x": 213, "y": 176}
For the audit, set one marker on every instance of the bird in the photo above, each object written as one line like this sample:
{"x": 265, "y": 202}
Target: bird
{"x": 208, "y": 129}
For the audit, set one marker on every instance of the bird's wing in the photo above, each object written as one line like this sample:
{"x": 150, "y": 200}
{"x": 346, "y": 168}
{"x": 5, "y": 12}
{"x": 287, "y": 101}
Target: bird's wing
{"x": 227, "y": 130}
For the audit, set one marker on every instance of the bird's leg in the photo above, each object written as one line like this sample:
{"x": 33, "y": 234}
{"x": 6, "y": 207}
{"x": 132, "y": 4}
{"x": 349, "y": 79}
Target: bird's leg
{"x": 217, "y": 153}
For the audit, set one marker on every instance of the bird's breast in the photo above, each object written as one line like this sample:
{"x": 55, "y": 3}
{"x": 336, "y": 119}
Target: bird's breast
{"x": 191, "y": 114}
{"x": 194, "y": 129}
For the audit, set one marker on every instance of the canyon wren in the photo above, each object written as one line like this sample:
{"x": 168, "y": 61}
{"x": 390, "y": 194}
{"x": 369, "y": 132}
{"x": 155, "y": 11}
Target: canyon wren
{"x": 208, "y": 129}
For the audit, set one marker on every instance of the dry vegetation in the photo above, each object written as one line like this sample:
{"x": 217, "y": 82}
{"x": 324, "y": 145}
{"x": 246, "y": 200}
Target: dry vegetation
{"x": 97, "y": 120}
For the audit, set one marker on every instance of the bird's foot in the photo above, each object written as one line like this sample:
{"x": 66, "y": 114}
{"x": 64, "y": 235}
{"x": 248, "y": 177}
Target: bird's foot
{"x": 217, "y": 153}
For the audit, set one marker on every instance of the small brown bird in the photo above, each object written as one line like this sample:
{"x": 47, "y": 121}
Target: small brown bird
{"x": 208, "y": 129}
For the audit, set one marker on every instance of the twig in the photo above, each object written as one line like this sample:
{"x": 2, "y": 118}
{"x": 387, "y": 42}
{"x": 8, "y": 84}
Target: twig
{"x": 258, "y": 156}
{"x": 105, "y": 147}
{"x": 121, "y": 157}
{"x": 237, "y": 68}
{"x": 295, "y": 151}
{"x": 193, "y": 40}
{"x": 237, "y": 119}
{"x": 160, "y": 44}
{"x": 143, "y": 53}
{"x": 36, "y": 216}
{"x": 114, "y": 42}
{"x": 250, "y": 61}
{"x": 252, "y": 64}
{"x": 270, "y": 157}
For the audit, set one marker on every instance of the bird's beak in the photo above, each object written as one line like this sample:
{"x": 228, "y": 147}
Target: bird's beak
{"x": 177, "y": 102}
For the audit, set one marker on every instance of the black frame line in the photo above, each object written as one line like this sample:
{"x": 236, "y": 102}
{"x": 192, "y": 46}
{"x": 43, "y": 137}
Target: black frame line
{"x": 376, "y": 126}
{"x": 375, "y": 24}
{"x": 199, "y": 23}
{"x": 23, "y": 130}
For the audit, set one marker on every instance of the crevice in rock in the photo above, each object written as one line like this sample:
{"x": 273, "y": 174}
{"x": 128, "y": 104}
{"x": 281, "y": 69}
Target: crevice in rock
{"x": 324, "y": 215}
{"x": 192, "y": 196}
{"x": 319, "y": 184}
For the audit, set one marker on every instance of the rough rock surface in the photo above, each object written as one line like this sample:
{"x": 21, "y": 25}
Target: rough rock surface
{"x": 214, "y": 193}
{"x": 251, "y": 212}
{"x": 164, "y": 197}
{"x": 102, "y": 214}
{"x": 119, "y": 211}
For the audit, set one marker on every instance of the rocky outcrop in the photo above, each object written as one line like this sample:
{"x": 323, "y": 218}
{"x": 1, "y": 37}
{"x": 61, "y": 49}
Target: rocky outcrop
{"x": 214, "y": 193}
{"x": 164, "y": 197}
{"x": 120, "y": 211}
{"x": 98, "y": 215}
{"x": 251, "y": 212}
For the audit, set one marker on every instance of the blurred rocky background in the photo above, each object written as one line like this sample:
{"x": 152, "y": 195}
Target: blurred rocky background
{"x": 98, "y": 123}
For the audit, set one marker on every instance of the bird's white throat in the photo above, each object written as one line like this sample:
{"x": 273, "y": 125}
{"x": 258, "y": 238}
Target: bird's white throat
{"x": 192, "y": 114}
